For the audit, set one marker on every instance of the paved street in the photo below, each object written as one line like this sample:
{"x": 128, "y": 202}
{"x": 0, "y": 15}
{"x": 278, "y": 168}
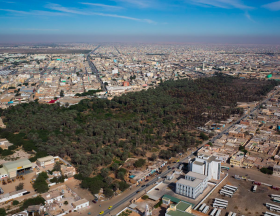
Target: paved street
{"x": 139, "y": 191}
{"x": 117, "y": 50}
{"x": 95, "y": 208}
{"x": 94, "y": 69}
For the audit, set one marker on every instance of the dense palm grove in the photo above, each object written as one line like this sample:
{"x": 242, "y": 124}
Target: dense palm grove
{"x": 95, "y": 132}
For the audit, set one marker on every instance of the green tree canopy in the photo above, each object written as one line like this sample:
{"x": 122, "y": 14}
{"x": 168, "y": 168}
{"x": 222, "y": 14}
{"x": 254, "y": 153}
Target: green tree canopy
{"x": 108, "y": 192}
{"x": 140, "y": 162}
{"x": 57, "y": 167}
{"x": 33, "y": 201}
{"x": 19, "y": 186}
{"x": 40, "y": 184}
{"x": 3, "y": 212}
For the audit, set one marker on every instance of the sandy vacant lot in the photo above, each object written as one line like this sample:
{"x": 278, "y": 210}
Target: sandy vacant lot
{"x": 19, "y": 154}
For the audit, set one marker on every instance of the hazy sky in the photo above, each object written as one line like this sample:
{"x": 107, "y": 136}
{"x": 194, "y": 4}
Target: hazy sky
{"x": 86, "y": 20}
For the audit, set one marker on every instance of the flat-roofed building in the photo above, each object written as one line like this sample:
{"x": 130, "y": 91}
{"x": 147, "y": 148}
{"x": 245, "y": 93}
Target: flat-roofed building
{"x": 52, "y": 196}
{"x": 6, "y": 100}
{"x": 192, "y": 186}
{"x": 3, "y": 173}
{"x": 237, "y": 159}
{"x": 180, "y": 209}
{"x": 12, "y": 195}
{"x": 276, "y": 170}
{"x": 21, "y": 166}
{"x": 5, "y": 144}
{"x": 68, "y": 171}
{"x": 45, "y": 161}
{"x": 35, "y": 209}
{"x": 26, "y": 89}
{"x": 82, "y": 203}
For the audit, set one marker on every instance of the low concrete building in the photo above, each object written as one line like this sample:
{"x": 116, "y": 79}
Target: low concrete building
{"x": 12, "y": 195}
{"x": 35, "y": 209}
{"x": 5, "y": 144}
{"x": 6, "y": 100}
{"x": 180, "y": 209}
{"x": 3, "y": 173}
{"x": 14, "y": 168}
{"x": 170, "y": 176}
{"x": 26, "y": 89}
{"x": 55, "y": 201}
{"x": 237, "y": 159}
{"x": 68, "y": 171}
{"x": 45, "y": 161}
{"x": 82, "y": 203}
{"x": 52, "y": 196}
{"x": 165, "y": 201}
{"x": 276, "y": 170}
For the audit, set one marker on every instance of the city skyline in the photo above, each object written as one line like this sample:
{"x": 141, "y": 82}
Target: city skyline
{"x": 234, "y": 21}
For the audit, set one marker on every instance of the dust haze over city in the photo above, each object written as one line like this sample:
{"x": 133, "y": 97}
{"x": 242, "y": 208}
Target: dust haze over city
{"x": 140, "y": 107}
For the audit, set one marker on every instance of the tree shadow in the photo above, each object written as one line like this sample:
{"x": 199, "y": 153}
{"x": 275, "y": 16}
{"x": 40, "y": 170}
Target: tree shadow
{"x": 162, "y": 211}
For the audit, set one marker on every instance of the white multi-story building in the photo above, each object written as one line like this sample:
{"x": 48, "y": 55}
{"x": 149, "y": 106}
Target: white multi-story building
{"x": 192, "y": 186}
{"x": 206, "y": 165}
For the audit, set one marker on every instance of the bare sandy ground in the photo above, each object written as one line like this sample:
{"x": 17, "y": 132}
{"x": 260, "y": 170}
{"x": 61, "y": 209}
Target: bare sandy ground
{"x": 19, "y": 154}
